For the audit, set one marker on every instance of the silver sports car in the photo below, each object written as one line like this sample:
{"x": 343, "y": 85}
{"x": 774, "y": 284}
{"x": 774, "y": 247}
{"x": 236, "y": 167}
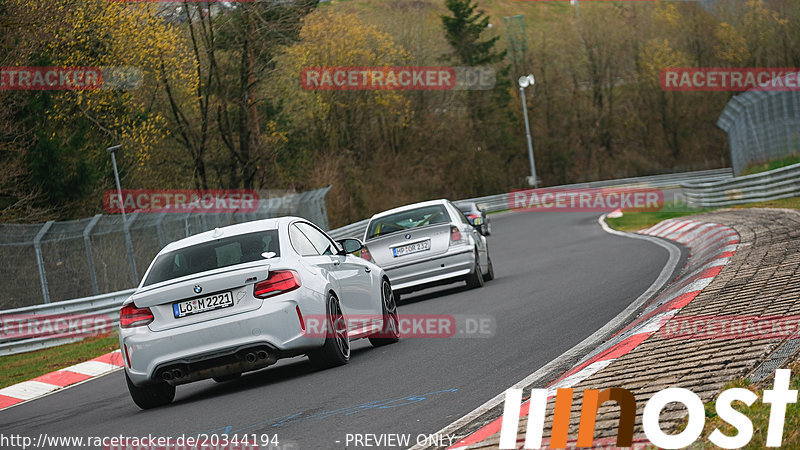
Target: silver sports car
{"x": 238, "y": 298}
{"x": 427, "y": 244}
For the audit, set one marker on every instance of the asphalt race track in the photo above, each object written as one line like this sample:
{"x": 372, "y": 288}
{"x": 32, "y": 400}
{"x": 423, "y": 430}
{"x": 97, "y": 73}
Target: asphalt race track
{"x": 559, "y": 278}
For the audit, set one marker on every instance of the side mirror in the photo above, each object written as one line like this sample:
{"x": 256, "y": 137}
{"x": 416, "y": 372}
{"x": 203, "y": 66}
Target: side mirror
{"x": 350, "y": 245}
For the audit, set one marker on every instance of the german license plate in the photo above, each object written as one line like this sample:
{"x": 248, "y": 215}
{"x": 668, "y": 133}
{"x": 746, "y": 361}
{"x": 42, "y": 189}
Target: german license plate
{"x": 412, "y": 248}
{"x": 203, "y": 304}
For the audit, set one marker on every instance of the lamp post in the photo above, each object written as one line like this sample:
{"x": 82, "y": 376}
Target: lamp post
{"x": 524, "y": 82}
{"x": 125, "y": 225}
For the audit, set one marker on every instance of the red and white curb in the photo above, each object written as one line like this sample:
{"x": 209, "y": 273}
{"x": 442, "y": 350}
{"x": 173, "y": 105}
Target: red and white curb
{"x": 60, "y": 379}
{"x": 711, "y": 247}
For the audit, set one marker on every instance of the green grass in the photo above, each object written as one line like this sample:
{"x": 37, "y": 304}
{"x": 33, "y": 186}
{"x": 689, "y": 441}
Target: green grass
{"x": 758, "y": 413}
{"x": 788, "y": 203}
{"x": 24, "y": 366}
{"x": 771, "y": 165}
{"x": 635, "y": 221}
{"x": 638, "y": 220}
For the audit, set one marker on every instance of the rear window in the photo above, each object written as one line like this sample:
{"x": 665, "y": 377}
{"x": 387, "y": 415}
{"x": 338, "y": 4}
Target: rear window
{"x": 223, "y": 252}
{"x": 465, "y": 208}
{"x": 413, "y": 218}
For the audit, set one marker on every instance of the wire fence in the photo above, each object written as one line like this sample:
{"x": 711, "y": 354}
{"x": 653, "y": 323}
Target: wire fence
{"x": 761, "y": 126}
{"x": 148, "y": 234}
{"x": 56, "y": 261}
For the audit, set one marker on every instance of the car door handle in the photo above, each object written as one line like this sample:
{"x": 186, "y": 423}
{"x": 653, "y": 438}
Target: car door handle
{"x": 367, "y": 269}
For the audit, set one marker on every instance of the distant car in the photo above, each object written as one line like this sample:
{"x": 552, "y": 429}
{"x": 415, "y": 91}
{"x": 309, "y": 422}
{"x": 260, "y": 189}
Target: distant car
{"x": 427, "y": 244}
{"x": 239, "y": 298}
{"x": 476, "y": 216}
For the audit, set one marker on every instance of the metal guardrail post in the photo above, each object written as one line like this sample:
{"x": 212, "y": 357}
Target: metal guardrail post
{"x": 203, "y": 223}
{"x": 129, "y": 247}
{"x": 37, "y": 247}
{"x": 162, "y": 240}
{"x": 87, "y": 240}
{"x": 787, "y": 130}
{"x": 323, "y": 207}
{"x": 186, "y": 223}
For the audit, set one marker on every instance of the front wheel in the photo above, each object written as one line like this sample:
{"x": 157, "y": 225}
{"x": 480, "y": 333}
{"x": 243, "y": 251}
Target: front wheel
{"x": 152, "y": 396}
{"x": 391, "y": 321}
{"x": 336, "y": 349}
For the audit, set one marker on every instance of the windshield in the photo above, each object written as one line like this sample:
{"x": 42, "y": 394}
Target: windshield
{"x": 412, "y": 218}
{"x": 216, "y": 254}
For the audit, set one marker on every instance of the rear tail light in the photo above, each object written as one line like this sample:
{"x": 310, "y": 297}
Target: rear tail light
{"x": 279, "y": 282}
{"x": 130, "y": 316}
{"x": 455, "y": 235}
{"x": 366, "y": 254}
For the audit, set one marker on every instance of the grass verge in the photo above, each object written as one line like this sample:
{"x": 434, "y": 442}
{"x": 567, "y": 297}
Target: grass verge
{"x": 24, "y": 366}
{"x": 635, "y": 221}
{"x": 771, "y": 165}
{"x": 758, "y": 413}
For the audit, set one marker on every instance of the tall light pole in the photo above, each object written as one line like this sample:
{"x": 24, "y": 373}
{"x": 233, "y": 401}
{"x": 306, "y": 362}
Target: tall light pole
{"x": 524, "y": 82}
{"x": 125, "y": 226}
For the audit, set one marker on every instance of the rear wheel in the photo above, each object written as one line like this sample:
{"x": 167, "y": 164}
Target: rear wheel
{"x": 489, "y": 273}
{"x": 336, "y": 350}
{"x": 151, "y": 396}
{"x": 388, "y": 333}
{"x": 475, "y": 279}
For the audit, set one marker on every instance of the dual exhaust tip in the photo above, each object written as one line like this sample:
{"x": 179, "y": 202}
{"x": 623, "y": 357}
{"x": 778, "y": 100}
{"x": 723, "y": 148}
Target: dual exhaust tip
{"x": 174, "y": 374}
{"x": 255, "y": 356}
{"x": 250, "y": 357}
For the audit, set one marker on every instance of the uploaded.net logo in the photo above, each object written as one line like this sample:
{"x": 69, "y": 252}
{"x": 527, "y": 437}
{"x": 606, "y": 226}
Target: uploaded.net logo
{"x": 69, "y": 78}
{"x": 778, "y": 398}
{"x": 730, "y": 79}
{"x": 393, "y": 78}
{"x": 181, "y": 201}
{"x": 586, "y": 199}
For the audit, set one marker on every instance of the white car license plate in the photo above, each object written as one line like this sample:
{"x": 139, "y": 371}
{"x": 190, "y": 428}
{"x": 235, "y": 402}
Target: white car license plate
{"x": 412, "y": 248}
{"x": 203, "y": 304}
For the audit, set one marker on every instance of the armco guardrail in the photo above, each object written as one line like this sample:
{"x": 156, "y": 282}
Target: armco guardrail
{"x": 771, "y": 185}
{"x": 109, "y": 303}
{"x": 36, "y": 318}
{"x": 499, "y": 202}
{"x": 665, "y": 181}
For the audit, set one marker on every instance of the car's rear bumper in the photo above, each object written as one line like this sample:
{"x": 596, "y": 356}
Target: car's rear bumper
{"x": 452, "y": 266}
{"x": 274, "y": 328}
